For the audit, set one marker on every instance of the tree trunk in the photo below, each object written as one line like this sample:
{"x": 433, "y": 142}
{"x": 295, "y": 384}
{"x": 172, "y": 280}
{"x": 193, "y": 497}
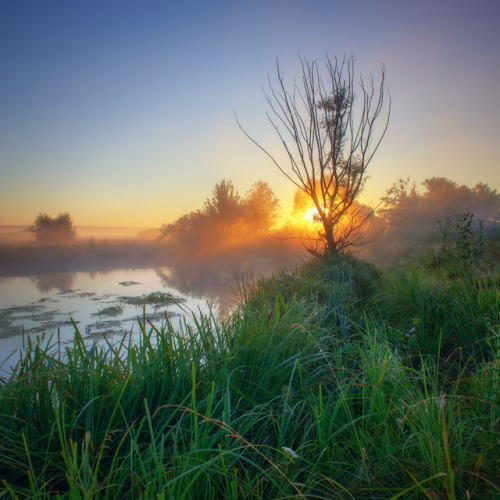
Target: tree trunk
{"x": 331, "y": 244}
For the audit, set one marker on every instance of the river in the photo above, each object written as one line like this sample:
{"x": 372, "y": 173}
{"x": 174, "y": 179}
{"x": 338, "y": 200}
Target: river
{"x": 102, "y": 304}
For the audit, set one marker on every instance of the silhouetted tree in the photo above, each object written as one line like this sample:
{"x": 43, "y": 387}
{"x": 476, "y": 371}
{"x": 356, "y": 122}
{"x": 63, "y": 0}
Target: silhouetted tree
{"x": 442, "y": 198}
{"x": 407, "y": 222}
{"x": 400, "y": 203}
{"x": 329, "y": 150}
{"x": 188, "y": 226}
{"x": 400, "y": 192}
{"x": 53, "y": 230}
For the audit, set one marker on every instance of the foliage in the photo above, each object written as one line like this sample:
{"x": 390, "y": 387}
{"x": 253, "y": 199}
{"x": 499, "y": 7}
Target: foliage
{"x": 442, "y": 198}
{"x": 225, "y": 207}
{"x": 261, "y": 206}
{"x": 304, "y": 392}
{"x": 462, "y": 249}
{"x": 329, "y": 150}
{"x": 407, "y": 223}
{"x": 226, "y": 219}
{"x": 53, "y": 230}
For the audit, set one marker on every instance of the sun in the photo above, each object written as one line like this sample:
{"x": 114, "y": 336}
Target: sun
{"x": 305, "y": 213}
{"x": 307, "y": 218}
{"x": 311, "y": 215}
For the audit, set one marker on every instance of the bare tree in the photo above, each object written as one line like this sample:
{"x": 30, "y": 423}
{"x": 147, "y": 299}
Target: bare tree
{"x": 329, "y": 150}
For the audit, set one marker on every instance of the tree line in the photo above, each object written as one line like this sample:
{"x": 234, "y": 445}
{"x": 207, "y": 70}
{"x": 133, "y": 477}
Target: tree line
{"x": 329, "y": 142}
{"x": 226, "y": 219}
{"x": 410, "y": 219}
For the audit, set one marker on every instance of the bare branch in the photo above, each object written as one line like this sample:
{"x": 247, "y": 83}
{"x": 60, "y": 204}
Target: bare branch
{"x": 329, "y": 150}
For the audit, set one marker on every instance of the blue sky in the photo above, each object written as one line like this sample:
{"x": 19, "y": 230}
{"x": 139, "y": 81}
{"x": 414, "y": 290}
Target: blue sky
{"x": 122, "y": 112}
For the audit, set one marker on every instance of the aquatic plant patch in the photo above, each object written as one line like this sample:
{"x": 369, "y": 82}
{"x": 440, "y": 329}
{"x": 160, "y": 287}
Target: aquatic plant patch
{"x": 111, "y": 311}
{"x": 156, "y": 299}
{"x": 128, "y": 283}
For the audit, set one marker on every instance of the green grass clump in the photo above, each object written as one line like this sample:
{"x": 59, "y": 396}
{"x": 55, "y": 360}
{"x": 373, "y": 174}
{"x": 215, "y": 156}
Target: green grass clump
{"x": 311, "y": 389}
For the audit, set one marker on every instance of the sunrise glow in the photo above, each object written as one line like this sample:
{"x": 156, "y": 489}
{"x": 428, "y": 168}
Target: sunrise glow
{"x": 249, "y": 249}
{"x": 134, "y": 128}
{"x": 311, "y": 216}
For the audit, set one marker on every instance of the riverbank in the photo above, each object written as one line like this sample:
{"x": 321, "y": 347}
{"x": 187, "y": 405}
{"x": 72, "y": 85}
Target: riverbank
{"x": 337, "y": 380}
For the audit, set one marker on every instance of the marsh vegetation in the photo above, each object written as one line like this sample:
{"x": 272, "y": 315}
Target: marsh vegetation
{"x": 336, "y": 380}
{"x": 331, "y": 379}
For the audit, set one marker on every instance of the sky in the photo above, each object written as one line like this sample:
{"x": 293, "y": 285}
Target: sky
{"x": 122, "y": 112}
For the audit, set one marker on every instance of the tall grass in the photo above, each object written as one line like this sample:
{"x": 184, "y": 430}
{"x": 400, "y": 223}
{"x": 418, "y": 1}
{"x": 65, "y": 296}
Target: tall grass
{"x": 316, "y": 387}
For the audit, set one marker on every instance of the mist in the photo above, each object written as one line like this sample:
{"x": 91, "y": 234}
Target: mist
{"x": 411, "y": 219}
{"x": 206, "y": 252}
{"x": 203, "y": 254}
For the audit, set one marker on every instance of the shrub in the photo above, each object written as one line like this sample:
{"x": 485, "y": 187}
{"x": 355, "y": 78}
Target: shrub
{"x": 463, "y": 246}
{"x": 53, "y": 230}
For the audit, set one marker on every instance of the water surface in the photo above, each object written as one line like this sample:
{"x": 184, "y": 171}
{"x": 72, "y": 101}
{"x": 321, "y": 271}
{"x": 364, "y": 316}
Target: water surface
{"x": 102, "y": 304}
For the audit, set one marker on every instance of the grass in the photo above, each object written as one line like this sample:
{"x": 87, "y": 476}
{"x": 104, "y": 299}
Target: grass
{"x": 332, "y": 381}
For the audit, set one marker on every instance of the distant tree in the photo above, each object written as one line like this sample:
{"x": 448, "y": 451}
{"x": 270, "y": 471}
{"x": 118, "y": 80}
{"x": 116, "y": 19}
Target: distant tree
{"x": 442, "y": 198}
{"x": 226, "y": 216}
{"x": 53, "y": 230}
{"x": 225, "y": 206}
{"x": 328, "y": 149}
{"x": 261, "y": 206}
{"x": 401, "y": 203}
{"x": 186, "y": 226}
{"x": 399, "y": 193}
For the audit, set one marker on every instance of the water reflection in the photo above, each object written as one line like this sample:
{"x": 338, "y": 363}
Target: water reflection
{"x": 215, "y": 284}
{"x": 104, "y": 305}
{"x": 217, "y": 287}
{"x": 105, "y": 301}
{"x": 58, "y": 281}
{"x": 218, "y": 279}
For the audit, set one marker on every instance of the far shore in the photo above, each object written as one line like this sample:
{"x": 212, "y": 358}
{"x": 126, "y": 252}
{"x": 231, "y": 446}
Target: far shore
{"x": 25, "y": 259}
{"x": 15, "y": 234}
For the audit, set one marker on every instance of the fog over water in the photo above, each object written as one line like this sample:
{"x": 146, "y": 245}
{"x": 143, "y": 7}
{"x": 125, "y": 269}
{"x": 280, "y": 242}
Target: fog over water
{"x": 196, "y": 262}
{"x": 105, "y": 286}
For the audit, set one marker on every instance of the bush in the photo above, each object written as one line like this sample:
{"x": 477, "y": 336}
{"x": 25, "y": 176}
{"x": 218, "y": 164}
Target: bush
{"x": 53, "y": 230}
{"x": 463, "y": 246}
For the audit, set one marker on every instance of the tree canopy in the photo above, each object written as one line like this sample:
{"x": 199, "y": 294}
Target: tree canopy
{"x": 441, "y": 198}
{"x": 53, "y": 230}
{"x": 226, "y": 218}
{"x": 410, "y": 218}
